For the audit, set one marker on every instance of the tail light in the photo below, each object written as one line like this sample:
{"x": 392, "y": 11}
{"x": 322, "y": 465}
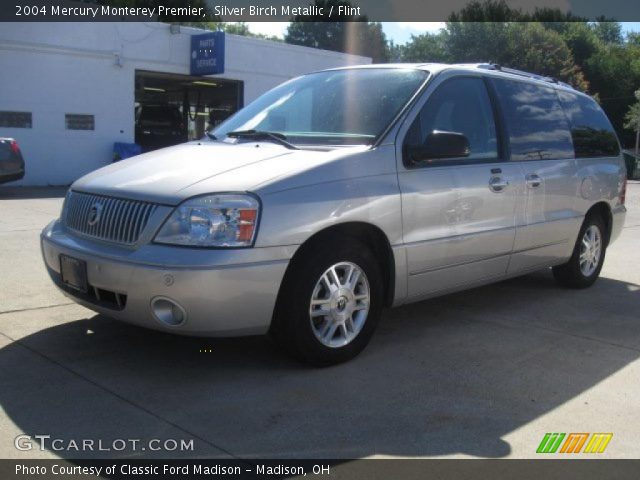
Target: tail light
{"x": 623, "y": 191}
{"x": 14, "y": 147}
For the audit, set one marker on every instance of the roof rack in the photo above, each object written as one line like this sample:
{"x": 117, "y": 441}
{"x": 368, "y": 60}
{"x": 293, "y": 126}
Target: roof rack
{"x": 521, "y": 73}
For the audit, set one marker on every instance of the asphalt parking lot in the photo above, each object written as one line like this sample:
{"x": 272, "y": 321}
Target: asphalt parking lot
{"x": 484, "y": 373}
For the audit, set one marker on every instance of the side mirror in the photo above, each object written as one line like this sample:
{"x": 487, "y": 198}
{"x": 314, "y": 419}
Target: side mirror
{"x": 439, "y": 145}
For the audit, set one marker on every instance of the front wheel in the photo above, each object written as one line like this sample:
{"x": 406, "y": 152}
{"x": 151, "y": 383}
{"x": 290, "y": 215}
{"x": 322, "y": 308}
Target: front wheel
{"x": 583, "y": 268}
{"x": 330, "y": 303}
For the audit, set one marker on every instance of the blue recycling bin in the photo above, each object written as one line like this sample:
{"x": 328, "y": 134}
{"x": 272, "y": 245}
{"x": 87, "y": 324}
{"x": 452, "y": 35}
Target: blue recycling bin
{"x": 123, "y": 150}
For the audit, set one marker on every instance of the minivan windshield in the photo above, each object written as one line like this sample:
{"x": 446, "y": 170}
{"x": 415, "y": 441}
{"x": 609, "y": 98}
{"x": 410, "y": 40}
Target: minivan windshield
{"x": 336, "y": 107}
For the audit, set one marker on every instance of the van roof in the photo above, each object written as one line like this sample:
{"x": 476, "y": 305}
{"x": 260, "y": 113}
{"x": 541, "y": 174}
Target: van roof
{"x": 496, "y": 70}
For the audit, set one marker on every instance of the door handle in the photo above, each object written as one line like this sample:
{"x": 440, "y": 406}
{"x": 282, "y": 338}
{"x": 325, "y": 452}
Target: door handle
{"x": 498, "y": 184}
{"x": 533, "y": 180}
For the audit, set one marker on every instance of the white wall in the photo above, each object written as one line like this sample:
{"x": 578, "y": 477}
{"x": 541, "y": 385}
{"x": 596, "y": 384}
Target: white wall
{"x": 51, "y": 69}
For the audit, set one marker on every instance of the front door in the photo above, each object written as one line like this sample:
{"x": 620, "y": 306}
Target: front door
{"x": 458, "y": 213}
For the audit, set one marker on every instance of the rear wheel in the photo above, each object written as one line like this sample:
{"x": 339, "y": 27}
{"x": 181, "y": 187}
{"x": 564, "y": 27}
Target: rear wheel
{"x": 330, "y": 303}
{"x": 583, "y": 268}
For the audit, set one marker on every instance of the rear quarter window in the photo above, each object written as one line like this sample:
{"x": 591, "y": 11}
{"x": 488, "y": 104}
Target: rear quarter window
{"x": 591, "y": 131}
{"x": 536, "y": 124}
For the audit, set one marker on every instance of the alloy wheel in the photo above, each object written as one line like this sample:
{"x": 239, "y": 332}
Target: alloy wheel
{"x": 590, "y": 250}
{"x": 339, "y": 304}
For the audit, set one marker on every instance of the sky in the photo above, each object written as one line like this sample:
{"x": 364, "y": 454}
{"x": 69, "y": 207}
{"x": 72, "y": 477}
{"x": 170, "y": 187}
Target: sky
{"x": 399, "y": 32}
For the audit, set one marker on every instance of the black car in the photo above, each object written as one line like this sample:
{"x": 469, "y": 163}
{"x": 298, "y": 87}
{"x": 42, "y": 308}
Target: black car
{"x": 159, "y": 126}
{"x": 11, "y": 161}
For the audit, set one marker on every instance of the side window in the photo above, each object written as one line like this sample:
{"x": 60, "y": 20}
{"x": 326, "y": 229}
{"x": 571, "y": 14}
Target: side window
{"x": 536, "y": 124}
{"x": 459, "y": 105}
{"x": 592, "y": 133}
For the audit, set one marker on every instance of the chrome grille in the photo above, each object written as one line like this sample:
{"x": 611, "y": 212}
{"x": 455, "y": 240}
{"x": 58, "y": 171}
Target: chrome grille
{"x": 118, "y": 220}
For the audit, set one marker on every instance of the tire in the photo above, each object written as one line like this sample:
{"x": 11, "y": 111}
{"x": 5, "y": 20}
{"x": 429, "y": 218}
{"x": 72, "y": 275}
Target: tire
{"x": 575, "y": 274}
{"x": 300, "y": 333}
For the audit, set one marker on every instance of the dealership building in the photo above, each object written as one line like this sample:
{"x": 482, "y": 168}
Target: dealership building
{"x": 70, "y": 91}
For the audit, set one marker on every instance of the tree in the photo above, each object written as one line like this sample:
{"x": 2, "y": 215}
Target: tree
{"x": 632, "y": 119}
{"x": 348, "y": 33}
{"x": 241, "y": 28}
{"x": 477, "y": 42}
{"x": 234, "y": 28}
{"x": 429, "y": 47}
{"x": 533, "y": 48}
{"x": 608, "y": 31}
{"x": 213, "y": 26}
{"x": 582, "y": 40}
{"x": 487, "y": 11}
{"x": 633, "y": 38}
{"x": 500, "y": 11}
{"x": 614, "y": 72}
{"x": 395, "y": 52}
{"x": 591, "y": 56}
{"x": 522, "y": 45}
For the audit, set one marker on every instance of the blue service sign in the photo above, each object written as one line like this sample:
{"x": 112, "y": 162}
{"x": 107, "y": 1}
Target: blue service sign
{"x": 207, "y": 53}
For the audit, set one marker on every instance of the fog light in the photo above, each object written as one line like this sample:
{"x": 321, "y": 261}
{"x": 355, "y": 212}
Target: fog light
{"x": 168, "y": 311}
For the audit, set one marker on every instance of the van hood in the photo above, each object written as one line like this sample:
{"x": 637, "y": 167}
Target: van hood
{"x": 171, "y": 175}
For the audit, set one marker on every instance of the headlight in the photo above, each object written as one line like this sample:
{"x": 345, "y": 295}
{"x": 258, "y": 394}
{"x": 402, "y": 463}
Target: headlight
{"x": 224, "y": 220}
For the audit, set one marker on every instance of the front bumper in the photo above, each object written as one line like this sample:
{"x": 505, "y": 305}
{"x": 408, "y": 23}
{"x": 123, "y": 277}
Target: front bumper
{"x": 222, "y": 292}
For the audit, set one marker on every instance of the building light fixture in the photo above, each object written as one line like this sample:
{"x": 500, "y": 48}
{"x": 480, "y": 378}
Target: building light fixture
{"x": 204, "y": 84}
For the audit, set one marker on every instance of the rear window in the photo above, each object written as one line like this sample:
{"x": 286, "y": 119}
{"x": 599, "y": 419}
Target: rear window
{"x": 537, "y": 125}
{"x": 592, "y": 133}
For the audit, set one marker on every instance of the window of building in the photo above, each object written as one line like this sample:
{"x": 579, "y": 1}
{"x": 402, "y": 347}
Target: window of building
{"x": 536, "y": 123}
{"x": 459, "y": 105}
{"x": 592, "y": 133}
{"x": 15, "y": 119}
{"x": 75, "y": 121}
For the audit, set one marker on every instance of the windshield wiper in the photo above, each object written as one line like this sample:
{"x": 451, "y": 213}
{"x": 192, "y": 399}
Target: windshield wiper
{"x": 211, "y": 135}
{"x": 263, "y": 135}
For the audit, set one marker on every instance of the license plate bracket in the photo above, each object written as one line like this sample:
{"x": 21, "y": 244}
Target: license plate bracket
{"x": 74, "y": 273}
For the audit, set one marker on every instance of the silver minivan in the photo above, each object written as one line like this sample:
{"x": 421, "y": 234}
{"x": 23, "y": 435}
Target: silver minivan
{"x": 342, "y": 192}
